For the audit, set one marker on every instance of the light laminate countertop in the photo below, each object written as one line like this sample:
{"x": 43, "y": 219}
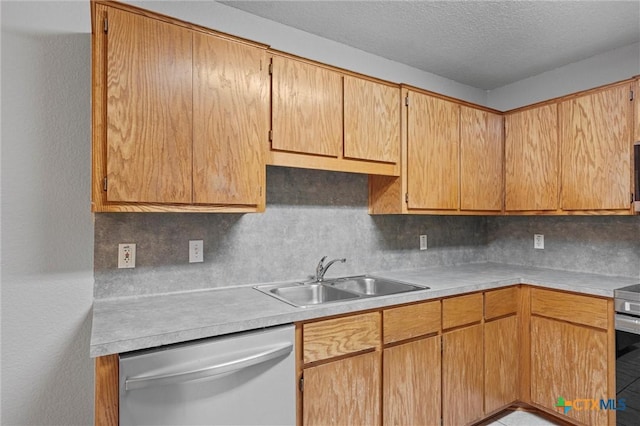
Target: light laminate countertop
{"x": 131, "y": 323}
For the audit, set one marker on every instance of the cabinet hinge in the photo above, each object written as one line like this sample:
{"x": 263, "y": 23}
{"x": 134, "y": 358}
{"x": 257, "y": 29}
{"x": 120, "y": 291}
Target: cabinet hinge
{"x": 301, "y": 384}
{"x": 631, "y": 95}
{"x": 406, "y": 197}
{"x": 104, "y": 184}
{"x": 260, "y": 191}
{"x": 632, "y": 198}
{"x": 271, "y": 67}
{"x": 406, "y": 100}
{"x": 106, "y": 25}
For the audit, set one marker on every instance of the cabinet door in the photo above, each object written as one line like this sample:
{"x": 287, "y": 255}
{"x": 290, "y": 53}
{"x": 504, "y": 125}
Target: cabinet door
{"x": 306, "y": 108}
{"x": 411, "y": 380}
{"x": 344, "y": 392}
{"x": 481, "y": 159}
{"x": 149, "y": 110}
{"x": 501, "y": 365}
{"x": 568, "y": 361}
{"x": 596, "y": 150}
{"x": 371, "y": 120}
{"x": 230, "y": 101}
{"x": 433, "y": 141}
{"x": 462, "y": 376}
{"x": 531, "y": 159}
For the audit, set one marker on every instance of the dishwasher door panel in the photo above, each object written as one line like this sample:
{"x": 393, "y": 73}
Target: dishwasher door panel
{"x": 240, "y": 379}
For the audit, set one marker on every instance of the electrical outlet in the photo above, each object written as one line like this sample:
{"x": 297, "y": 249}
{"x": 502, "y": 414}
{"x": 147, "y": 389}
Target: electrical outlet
{"x": 423, "y": 242}
{"x": 538, "y": 241}
{"x": 196, "y": 251}
{"x": 126, "y": 255}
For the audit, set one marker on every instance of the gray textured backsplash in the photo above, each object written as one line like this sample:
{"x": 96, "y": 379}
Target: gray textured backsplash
{"x": 608, "y": 245}
{"x": 315, "y": 213}
{"x": 309, "y": 214}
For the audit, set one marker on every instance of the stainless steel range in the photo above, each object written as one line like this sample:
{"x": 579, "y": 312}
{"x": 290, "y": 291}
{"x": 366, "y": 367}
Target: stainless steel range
{"x": 627, "y": 304}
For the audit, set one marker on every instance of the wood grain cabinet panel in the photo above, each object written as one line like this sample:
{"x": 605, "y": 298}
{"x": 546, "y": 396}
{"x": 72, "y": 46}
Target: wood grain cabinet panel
{"x": 580, "y": 309}
{"x": 433, "y": 148}
{"x": 148, "y": 110}
{"x": 501, "y": 363}
{"x": 343, "y": 392}
{"x": 407, "y": 322}
{"x": 462, "y": 376}
{"x": 481, "y": 160}
{"x": 532, "y": 164}
{"x": 411, "y": 383}
{"x": 340, "y": 336}
{"x": 461, "y": 310}
{"x": 371, "y": 120}
{"x": 636, "y": 107}
{"x": 306, "y": 108}
{"x": 231, "y": 121}
{"x": 569, "y": 361}
{"x": 501, "y": 302}
{"x": 596, "y": 136}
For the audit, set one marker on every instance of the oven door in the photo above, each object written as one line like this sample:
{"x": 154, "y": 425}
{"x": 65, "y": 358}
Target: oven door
{"x": 628, "y": 368}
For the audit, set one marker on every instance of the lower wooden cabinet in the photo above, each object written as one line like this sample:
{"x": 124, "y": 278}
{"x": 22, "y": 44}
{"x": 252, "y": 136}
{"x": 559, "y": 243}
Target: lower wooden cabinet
{"x": 569, "y": 361}
{"x": 343, "y": 392}
{"x": 501, "y": 363}
{"x": 462, "y": 376}
{"x": 411, "y": 369}
{"x": 411, "y": 383}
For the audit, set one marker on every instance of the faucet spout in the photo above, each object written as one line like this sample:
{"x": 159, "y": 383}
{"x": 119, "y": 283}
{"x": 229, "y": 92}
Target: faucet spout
{"x": 321, "y": 269}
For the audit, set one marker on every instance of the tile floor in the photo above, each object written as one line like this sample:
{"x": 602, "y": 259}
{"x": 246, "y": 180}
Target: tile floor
{"x": 522, "y": 418}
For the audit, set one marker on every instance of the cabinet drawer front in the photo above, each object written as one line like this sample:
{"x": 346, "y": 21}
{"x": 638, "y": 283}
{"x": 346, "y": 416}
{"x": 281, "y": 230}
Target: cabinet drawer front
{"x": 410, "y": 321}
{"x": 461, "y": 310}
{"x": 340, "y": 336}
{"x": 501, "y": 302}
{"x": 574, "y": 308}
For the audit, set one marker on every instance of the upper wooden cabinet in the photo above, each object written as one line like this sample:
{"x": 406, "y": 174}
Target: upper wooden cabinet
{"x": 432, "y": 151}
{"x": 596, "y": 150}
{"x": 306, "y": 108}
{"x": 452, "y": 160}
{"x": 371, "y": 120}
{"x": 180, "y": 117}
{"x": 531, "y": 159}
{"x": 481, "y": 160}
{"x": 322, "y": 118}
{"x": 148, "y": 109}
{"x": 230, "y": 121}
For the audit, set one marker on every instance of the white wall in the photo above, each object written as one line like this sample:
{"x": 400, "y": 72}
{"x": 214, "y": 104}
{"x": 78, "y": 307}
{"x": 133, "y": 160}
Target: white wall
{"x": 614, "y": 65}
{"x": 239, "y": 23}
{"x": 47, "y": 227}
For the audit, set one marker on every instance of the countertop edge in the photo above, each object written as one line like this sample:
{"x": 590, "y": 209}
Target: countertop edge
{"x": 288, "y": 314}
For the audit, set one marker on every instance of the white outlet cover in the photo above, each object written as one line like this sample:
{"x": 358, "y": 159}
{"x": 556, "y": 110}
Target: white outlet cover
{"x": 423, "y": 242}
{"x": 126, "y": 255}
{"x": 538, "y": 241}
{"x": 196, "y": 251}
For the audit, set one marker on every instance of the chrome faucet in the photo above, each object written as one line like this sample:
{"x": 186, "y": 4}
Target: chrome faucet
{"x": 321, "y": 269}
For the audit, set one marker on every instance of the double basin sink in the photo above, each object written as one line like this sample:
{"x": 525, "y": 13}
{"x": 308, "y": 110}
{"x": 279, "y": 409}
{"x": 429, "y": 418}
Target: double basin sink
{"x": 335, "y": 290}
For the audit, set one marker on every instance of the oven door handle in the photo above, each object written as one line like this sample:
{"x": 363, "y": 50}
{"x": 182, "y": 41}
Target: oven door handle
{"x": 628, "y": 323}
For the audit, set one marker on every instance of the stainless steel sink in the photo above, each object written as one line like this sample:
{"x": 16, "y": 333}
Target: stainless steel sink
{"x": 335, "y": 290}
{"x": 372, "y": 286}
{"x": 303, "y": 295}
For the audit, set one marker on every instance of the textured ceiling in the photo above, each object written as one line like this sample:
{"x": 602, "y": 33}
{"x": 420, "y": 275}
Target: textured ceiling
{"x": 484, "y": 44}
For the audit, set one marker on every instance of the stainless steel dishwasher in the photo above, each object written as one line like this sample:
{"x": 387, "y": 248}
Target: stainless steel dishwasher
{"x": 240, "y": 379}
